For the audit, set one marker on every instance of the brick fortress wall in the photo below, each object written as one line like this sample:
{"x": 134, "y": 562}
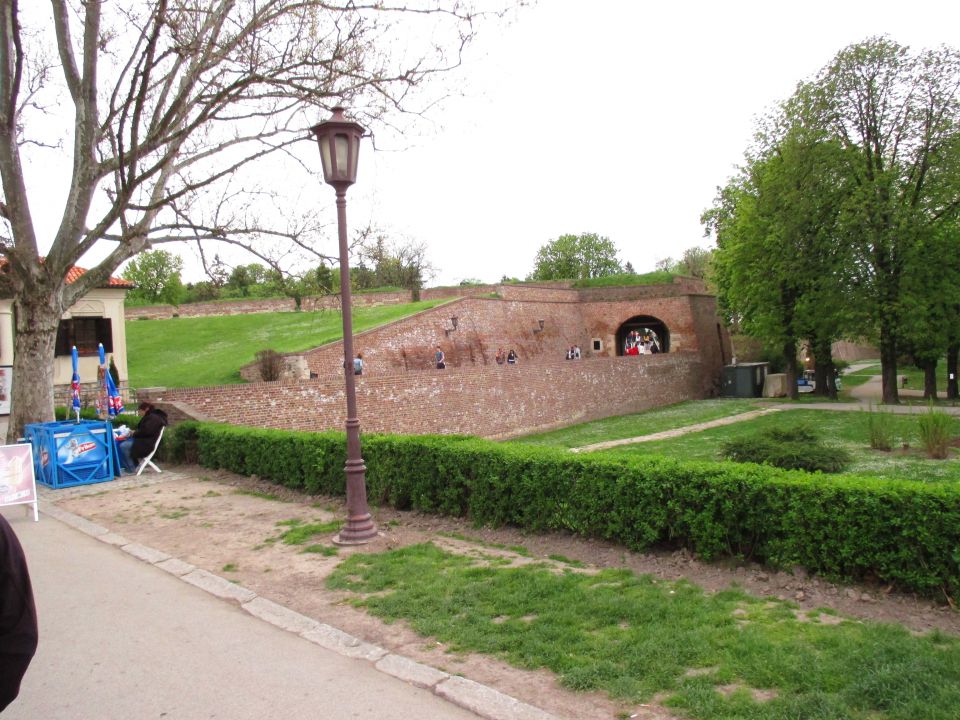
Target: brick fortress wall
{"x": 570, "y": 317}
{"x": 401, "y": 391}
{"x": 495, "y": 402}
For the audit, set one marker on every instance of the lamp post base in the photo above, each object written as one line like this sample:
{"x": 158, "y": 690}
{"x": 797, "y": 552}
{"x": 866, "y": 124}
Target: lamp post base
{"x": 358, "y": 531}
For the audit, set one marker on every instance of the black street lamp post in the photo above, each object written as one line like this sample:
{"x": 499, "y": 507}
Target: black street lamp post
{"x": 339, "y": 141}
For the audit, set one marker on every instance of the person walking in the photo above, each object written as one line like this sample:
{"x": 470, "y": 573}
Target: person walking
{"x": 440, "y": 358}
{"x": 358, "y": 364}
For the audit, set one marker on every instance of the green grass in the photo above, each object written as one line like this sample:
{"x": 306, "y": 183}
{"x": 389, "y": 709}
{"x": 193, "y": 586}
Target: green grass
{"x": 633, "y": 637}
{"x": 848, "y": 430}
{"x": 915, "y": 376}
{"x": 645, "y": 423}
{"x": 299, "y": 533}
{"x": 259, "y": 494}
{"x": 193, "y": 352}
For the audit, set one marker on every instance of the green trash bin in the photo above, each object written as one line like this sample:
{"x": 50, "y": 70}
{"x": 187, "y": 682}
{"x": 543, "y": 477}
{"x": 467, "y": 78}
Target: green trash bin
{"x": 744, "y": 380}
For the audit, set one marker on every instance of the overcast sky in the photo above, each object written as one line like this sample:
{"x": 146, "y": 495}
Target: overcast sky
{"x": 614, "y": 117}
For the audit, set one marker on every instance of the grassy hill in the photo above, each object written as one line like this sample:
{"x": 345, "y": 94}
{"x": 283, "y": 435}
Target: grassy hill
{"x": 187, "y": 352}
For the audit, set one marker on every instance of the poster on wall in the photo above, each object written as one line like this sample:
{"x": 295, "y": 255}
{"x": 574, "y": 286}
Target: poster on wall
{"x": 18, "y": 485}
{"x": 6, "y": 384}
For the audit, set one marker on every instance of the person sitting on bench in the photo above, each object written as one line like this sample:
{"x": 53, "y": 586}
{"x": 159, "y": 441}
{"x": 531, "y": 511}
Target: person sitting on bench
{"x": 142, "y": 441}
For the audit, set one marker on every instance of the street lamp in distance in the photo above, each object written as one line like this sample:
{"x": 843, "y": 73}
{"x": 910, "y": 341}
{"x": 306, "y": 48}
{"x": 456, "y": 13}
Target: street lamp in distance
{"x": 339, "y": 141}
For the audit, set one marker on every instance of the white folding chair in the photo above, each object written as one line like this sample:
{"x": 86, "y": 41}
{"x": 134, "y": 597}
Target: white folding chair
{"x": 148, "y": 460}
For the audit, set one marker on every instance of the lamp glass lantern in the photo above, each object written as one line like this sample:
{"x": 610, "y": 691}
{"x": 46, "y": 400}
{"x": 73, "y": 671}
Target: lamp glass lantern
{"x": 339, "y": 141}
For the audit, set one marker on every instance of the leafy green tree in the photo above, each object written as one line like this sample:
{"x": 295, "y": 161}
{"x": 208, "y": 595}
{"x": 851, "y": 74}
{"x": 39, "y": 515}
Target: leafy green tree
{"x": 694, "y": 263}
{"x": 156, "y": 274}
{"x": 780, "y": 263}
{"x": 243, "y": 279}
{"x": 857, "y": 176}
{"x": 393, "y": 264}
{"x": 200, "y": 292}
{"x": 576, "y": 257}
{"x": 930, "y": 299}
{"x": 897, "y": 116}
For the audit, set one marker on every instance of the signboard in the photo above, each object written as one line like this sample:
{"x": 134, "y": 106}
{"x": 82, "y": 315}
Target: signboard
{"x": 80, "y": 447}
{"x": 6, "y": 386}
{"x": 18, "y": 485}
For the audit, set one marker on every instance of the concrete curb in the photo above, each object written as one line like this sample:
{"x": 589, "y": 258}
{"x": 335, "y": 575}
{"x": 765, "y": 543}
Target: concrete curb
{"x": 473, "y": 696}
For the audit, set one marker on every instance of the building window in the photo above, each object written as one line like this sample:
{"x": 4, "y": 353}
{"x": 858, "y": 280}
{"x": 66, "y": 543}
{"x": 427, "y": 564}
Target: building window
{"x": 85, "y": 333}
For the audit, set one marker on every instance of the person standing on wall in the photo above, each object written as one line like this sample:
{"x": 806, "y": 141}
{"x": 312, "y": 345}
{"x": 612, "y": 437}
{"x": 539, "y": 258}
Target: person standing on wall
{"x": 18, "y": 615}
{"x": 440, "y": 358}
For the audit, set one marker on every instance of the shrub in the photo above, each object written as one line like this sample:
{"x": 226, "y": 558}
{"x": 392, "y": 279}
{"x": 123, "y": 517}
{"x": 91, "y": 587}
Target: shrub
{"x": 935, "y": 427}
{"x": 880, "y": 429}
{"x": 270, "y": 364}
{"x": 905, "y": 533}
{"x": 790, "y": 448}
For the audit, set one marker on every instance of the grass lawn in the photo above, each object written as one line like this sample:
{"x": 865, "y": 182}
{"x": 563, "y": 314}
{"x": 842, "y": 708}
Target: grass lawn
{"x": 724, "y": 655}
{"x": 914, "y": 376}
{"x": 188, "y": 352}
{"x": 845, "y": 429}
{"x": 645, "y": 423}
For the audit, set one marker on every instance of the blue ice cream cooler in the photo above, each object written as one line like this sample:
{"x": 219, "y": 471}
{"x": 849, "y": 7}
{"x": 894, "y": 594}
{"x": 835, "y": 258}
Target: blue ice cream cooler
{"x": 71, "y": 453}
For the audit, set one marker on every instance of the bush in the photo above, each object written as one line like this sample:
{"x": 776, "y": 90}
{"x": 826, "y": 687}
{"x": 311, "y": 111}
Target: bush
{"x": 66, "y": 413}
{"x": 879, "y": 429}
{"x": 793, "y": 448}
{"x": 935, "y": 432}
{"x": 270, "y": 364}
{"x": 905, "y": 533}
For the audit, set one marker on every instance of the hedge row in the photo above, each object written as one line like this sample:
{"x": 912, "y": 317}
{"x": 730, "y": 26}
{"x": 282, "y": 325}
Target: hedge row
{"x": 905, "y": 533}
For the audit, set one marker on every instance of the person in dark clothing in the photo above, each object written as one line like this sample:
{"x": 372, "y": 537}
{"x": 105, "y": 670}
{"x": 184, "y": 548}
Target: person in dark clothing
{"x": 140, "y": 443}
{"x": 18, "y": 615}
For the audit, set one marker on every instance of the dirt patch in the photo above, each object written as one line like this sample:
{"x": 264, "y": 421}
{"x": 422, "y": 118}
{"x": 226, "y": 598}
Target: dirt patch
{"x": 231, "y": 526}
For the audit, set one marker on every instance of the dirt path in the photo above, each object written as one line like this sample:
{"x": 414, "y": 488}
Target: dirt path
{"x": 228, "y": 525}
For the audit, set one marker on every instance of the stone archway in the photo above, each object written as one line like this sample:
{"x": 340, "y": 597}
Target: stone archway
{"x": 643, "y": 334}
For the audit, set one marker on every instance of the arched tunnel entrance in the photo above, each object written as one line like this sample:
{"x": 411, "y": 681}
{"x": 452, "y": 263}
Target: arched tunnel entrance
{"x": 641, "y": 335}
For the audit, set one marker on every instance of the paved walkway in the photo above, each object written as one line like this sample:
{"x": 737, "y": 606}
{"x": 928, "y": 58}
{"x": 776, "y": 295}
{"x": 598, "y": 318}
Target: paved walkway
{"x": 129, "y": 632}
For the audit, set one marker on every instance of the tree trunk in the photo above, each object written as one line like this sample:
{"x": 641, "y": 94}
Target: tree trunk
{"x": 888, "y": 365}
{"x": 953, "y": 353}
{"x": 790, "y": 362}
{"x": 825, "y": 376}
{"x": 36, "y": 321}
{"x": 929, "y": 379}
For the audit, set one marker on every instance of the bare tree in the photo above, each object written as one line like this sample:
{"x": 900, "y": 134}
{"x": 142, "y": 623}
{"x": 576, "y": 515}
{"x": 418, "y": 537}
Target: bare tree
{"x": 174, "y": 102}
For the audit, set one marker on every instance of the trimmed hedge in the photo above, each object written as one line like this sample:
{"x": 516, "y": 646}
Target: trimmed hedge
{"x": 905, "y": 533}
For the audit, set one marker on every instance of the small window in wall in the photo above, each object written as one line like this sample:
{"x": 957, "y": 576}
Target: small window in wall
{"x": 597, "y": 344}
{"x": 85, "y": 333}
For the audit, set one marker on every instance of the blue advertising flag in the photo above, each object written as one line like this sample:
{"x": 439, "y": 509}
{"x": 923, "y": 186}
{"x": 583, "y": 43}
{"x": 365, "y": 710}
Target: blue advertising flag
{"x": 75, "y": 382}
{"x": 111, "y": 395}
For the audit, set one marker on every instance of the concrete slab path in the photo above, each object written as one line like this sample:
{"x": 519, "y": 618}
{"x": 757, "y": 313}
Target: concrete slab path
{"x": 123, "y": 636}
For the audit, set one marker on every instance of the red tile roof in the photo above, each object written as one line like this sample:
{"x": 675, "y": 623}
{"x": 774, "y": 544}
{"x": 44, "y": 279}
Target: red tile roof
{"x": 75, "y": 272}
